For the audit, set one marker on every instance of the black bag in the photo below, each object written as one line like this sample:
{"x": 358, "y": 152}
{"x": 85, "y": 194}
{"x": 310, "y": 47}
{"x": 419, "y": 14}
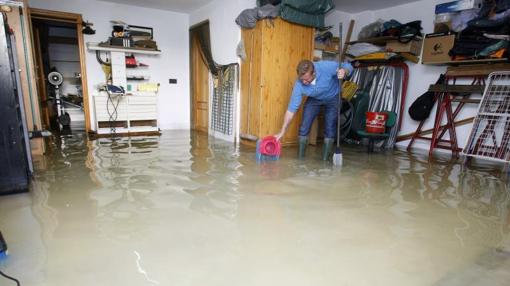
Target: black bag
{"x": 405, "y": 32}
{"x": 409, "y": 31}
{"x": 422, "y": 106}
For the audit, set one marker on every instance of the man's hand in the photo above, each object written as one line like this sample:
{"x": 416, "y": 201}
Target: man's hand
{"x": 278, "y": 136}
{"x": 340, "y": 73}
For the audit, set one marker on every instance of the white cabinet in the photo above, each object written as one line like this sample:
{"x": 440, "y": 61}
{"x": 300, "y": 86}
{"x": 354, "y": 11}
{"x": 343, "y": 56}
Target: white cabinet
{"x": 135, "y": 112}
{"x": 127, "y": 114}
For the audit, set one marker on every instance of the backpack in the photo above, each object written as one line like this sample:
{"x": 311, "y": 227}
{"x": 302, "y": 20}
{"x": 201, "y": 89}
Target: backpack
{"x": 422, "y": 106}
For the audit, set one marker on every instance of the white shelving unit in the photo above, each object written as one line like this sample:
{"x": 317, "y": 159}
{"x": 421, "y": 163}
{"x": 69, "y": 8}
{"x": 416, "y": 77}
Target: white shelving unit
{"x": 136, "y": 112}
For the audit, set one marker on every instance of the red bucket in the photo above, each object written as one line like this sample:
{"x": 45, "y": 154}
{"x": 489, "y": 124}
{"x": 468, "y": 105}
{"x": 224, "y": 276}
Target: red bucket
{"x": 376, "y": 122}
{"x": 269, "y": 146}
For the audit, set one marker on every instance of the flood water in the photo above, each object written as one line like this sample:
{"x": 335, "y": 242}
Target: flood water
{"x": 184, "y": 209}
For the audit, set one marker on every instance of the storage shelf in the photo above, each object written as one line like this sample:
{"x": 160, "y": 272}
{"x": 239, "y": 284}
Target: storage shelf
{"x": 399, "y": 58}
{"x": 484, "y": 61}
{"x": 141, "y": 93}
{"x": 377, "y": 40}
{"x": 98, "y": 47}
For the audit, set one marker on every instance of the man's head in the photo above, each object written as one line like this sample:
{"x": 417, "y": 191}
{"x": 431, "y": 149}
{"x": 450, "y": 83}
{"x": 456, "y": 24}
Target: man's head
{"x": 306, "y": 72}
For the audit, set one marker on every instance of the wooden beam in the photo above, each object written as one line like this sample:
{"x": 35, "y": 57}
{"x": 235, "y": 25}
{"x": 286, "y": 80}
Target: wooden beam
{"x": 476, "y": 69}
{"x": 347, "y": 40}
{"x": 456, "y": 88}
{"x": 429, "y": 131}
{"x": 83, "y": 68}
{"x": 58, "y": 16}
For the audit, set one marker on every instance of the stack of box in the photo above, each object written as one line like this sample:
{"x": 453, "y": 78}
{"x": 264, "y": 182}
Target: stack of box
{"x": 437, "y": 45}
{"x": 445, "y": 12}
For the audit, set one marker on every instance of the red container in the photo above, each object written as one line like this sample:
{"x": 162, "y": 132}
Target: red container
{"x": 270, "y": 146}
{"x": 376, "y": 122}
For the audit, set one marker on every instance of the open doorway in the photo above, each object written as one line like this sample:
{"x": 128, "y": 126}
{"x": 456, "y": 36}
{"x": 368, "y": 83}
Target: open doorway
{"x": 60, "y": 70}
{"x": 214, "y": 88}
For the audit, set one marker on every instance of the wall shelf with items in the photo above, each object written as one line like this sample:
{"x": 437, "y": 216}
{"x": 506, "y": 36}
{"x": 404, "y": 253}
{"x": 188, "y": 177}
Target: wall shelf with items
{"x": 103, "y": 47}
{"x": 468, "y": 62}
{"x": 136, "y": 112}
{"x": 405, "y": 51}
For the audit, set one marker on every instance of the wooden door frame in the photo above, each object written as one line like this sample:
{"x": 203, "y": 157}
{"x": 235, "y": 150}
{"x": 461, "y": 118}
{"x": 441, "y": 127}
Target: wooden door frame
{"x": 191, "y": 75}
{"x": 41, "y": 84}
{"x": 77, "y": 19}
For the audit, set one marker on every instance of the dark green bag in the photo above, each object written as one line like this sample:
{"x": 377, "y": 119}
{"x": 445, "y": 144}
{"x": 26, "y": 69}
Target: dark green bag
{"x": 360, "y": 103}
{"x": 261, "y": 3}
{"x": 306, "y": 12}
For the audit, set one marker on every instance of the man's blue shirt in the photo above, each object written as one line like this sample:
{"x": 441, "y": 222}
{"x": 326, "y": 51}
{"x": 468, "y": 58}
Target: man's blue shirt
{"x": 326, "y": 84}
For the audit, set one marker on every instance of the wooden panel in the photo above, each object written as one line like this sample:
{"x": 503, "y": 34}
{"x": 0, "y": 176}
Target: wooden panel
{"x": 199, "y": 89}
{"x": 284, "y": 45}
{"x": 41, "y": 80}
{"x": 250, "y": 82}
{"x": 268, "y": 73}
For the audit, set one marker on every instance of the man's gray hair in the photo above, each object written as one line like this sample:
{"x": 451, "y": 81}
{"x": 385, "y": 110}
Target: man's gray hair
{"x": 304, "y": 67}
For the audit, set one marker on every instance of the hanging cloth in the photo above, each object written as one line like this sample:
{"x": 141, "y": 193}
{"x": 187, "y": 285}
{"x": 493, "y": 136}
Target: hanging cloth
{"x": 306, "y": 12}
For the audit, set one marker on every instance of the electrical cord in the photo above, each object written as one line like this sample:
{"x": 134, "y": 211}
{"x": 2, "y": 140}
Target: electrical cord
{"x": 100, "y": 60}
{"x": 10, "y": 278}
{"x": 112, "y": 115}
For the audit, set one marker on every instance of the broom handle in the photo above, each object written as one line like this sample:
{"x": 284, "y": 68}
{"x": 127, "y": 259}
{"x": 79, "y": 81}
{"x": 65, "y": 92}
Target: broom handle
{"x": 338, "y": 116}
{"x": 340, "y": 81}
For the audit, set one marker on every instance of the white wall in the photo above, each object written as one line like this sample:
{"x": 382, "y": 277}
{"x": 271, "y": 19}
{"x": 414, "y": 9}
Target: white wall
{"x": 171, "y": 34}
{"x": 421, "y": 76}
{"x": 334, "y": 18}
{"x": 225, "y": 33}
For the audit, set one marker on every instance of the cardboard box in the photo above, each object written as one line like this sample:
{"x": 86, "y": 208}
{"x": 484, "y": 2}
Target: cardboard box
{"x": 456, "y": 6}
{"x": 413, "y": 47}
{"x": 436, "y": 48}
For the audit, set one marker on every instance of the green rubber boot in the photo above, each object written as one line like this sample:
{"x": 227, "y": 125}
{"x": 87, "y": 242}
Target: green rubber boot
{"x": 303, "y": 142}
{"x": 327, "y": 147}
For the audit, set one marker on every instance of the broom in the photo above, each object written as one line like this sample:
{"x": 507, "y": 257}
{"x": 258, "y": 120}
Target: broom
{"x": 337, "y": 156}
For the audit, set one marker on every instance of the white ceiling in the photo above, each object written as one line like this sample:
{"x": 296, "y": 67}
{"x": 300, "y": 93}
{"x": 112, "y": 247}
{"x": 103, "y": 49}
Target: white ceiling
{"x": 188, "y": 6}
{"x": 356, "y": 6}
{"x": 183, "y": 6}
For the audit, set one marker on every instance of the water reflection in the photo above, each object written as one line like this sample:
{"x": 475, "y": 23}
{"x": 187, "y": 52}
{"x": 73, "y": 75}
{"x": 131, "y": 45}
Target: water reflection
{"x": 186, "y": 199}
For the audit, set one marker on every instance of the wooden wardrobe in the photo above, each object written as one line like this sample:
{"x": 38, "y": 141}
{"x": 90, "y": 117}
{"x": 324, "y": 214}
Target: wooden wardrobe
{"x": 273, "y": 50}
